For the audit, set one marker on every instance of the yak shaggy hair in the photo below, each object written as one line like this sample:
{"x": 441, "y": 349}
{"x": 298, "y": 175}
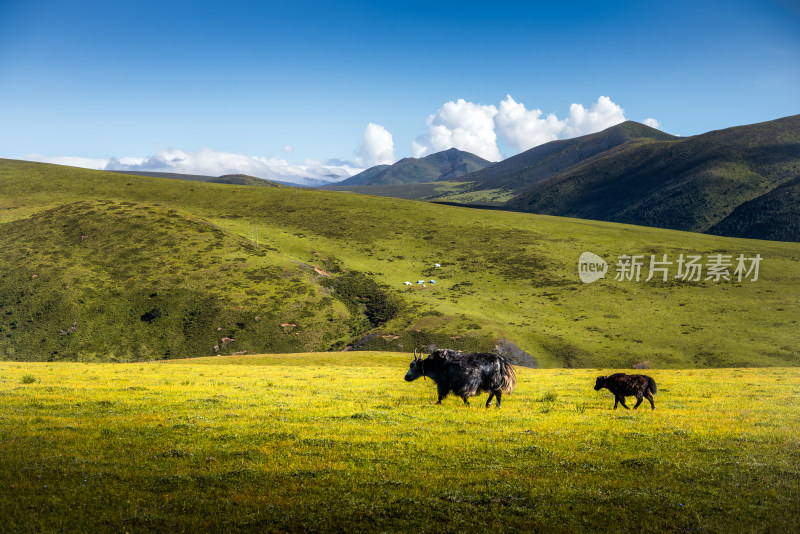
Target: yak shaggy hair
{"x": 622, "y": 385}
{"x": 465, "y": 374}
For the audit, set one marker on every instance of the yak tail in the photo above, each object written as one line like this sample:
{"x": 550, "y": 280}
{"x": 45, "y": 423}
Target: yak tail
{"x": 508, "y": 377}
{"x": 651, "y": 385}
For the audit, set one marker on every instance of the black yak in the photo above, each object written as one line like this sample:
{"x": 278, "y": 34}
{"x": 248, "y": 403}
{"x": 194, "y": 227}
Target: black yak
{"x": 622, "y": 385}
{"x": 465, "y": 374}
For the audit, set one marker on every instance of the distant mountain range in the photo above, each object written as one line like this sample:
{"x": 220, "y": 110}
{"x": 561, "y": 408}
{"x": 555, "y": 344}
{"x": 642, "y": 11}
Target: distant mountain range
{"x": 741, "y": 182}
{"x": 243, "y": 179}
{"x": 446, "y": 165}
{"x": 171, "y": 175}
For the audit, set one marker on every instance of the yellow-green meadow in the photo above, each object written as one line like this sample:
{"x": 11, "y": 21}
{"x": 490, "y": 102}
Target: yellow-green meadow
{"x": 339, "y": 442}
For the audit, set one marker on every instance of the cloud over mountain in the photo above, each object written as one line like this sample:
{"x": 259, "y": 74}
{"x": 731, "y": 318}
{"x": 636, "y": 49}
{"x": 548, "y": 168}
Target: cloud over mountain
{"x": 463, "y": 125}
{"x": 476, "y": 127}
{"x": 652, "y": 123}
{"x": 377, "y": 148}
{"x": 524, "y": 129}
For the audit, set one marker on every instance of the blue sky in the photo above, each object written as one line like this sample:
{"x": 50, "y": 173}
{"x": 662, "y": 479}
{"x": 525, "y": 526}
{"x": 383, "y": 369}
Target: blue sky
{"x": 294, "y": 86}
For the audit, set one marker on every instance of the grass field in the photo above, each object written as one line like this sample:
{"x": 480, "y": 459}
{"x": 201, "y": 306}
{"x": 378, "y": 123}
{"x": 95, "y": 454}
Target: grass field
{"x": 325, "y": 442}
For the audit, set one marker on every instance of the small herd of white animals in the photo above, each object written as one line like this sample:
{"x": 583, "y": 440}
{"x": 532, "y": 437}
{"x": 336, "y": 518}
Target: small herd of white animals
{"x": 422, "y": 282}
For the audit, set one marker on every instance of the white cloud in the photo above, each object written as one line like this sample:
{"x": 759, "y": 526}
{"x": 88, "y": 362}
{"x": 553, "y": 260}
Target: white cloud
{"x": 208, "y": 162}
{"x": 524, "y": 129}
{"x": 462, "y": 125}
{"x": 601, "y": 115}
{"x": 377, "y": 148}
{"x": 652, "y": 123}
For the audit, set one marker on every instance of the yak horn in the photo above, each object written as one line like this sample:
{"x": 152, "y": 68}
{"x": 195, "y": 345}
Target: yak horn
{"x": 415, "y": 354}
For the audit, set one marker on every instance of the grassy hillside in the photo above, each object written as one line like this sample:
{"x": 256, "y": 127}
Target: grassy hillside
{"x": 332, "y": 443}
{"x": 118, "y": 280}
{"x": 188, "y": 251}
{"x": 445, "y": 165}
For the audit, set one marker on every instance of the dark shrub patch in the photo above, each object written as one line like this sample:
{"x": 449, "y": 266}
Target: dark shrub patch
{"x": 151, "y": 315}
{"x": 362, "y": 295}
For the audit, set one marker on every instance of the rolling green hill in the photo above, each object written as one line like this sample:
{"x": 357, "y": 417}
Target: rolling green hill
{"x": 102, "y": 266}
{"x": 119, "y": 280}
{"x": 444, "y": 165}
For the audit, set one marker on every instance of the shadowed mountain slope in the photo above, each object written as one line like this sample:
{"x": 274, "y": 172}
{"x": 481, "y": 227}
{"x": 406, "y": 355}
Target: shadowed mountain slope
{"x": 555, "y": 157}
{"x": 775, "y": 214}
{"x": 688, "y": 184}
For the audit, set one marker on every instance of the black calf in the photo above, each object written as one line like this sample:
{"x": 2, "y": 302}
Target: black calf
{"x": 622, "y": 385}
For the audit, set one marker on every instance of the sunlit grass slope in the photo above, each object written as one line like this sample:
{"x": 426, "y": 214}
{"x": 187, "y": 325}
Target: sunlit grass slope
{"x": 316, "y": 442}
{"x": 166, "y": 244}
{"x": 117, "y": 281}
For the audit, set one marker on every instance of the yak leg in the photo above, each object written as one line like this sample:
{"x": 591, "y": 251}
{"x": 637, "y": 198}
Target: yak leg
{"x": 442, "y": 393}
{"x": 498, "y": 394}
{"x": 466, "y": 402}
{"x": 622, "y": 401}
{"x": 650, "y": 398}
{"x": 638, "y": 402}
{"x": 489, "y": 400}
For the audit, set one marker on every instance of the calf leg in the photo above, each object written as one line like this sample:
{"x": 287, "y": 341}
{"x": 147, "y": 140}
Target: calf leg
{"x": 489, "y": 400}
{"x": 466, "y": 402}
{"x": 498, "y": 394}
{"x": 622, "y": 401}
{"x": 638, "y": 401}
{"x": 650, "y": 398}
